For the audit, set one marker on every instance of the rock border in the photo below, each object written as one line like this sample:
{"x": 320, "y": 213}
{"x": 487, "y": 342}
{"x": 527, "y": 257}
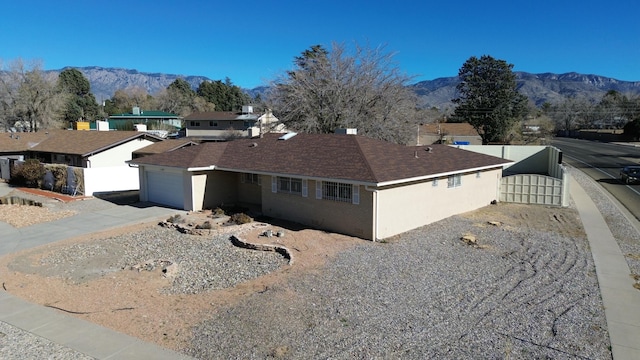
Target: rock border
{"x": 282, "y": 250}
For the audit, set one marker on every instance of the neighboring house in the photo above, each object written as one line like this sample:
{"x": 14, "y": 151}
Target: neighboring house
{"x": 448, "y": 133}
{"x": 101, "y": 154}
{"x": 343, "y": 183}
{"x": 224, "y": 125}
{"x": 163, "y": 146}
{"x": 14, "y": 146}
{"x": 151, "y": 119}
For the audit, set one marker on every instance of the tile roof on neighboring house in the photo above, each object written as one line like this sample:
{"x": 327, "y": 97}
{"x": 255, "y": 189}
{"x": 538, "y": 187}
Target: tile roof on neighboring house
{"x": 457, "y": 129}
{"x": 327, "y": 156}
{"x": 164, "y": 146}
{"x": 11, "y": 142}
{"x": 87, "y": 142}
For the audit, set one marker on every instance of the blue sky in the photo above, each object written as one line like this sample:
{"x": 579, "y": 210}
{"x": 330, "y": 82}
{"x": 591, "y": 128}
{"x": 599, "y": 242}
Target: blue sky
{"x": 252, "y": 42}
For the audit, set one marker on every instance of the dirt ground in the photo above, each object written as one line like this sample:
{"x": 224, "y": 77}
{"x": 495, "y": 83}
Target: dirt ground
{"x": 130, "y": 301}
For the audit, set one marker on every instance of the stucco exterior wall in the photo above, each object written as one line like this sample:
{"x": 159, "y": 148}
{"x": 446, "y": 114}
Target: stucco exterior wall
{"x": 335, "y": 216}
{"x": 403, "y": 208}
{"x": 196, "y": 192}
{"x": 107, "y": 179}
{"x": 117, "y": 155}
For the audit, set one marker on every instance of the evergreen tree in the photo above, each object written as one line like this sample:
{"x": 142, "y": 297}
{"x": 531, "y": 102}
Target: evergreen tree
{"x": 489, "y": 99}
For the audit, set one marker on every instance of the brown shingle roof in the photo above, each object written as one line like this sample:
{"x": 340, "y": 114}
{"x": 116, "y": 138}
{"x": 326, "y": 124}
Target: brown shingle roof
{"x": 20, "y": 142}
{"x": 86, "y": 142}
{"x": 164, "y": 146}
{"x": 346, "y": 157}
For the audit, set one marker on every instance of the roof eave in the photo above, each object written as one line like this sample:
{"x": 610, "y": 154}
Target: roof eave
{"x": 432, "y": 176}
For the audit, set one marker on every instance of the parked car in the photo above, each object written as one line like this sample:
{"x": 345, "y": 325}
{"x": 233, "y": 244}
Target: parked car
{"x": 630, "y": 174}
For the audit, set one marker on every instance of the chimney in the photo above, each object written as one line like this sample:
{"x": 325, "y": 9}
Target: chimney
{"x": 346, "y": 131}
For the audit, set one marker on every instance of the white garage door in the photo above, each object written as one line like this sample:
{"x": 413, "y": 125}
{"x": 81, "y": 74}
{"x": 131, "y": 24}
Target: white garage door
{"x": 165, "y": 188}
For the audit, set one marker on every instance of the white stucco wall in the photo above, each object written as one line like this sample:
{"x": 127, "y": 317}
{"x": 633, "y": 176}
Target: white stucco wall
{"x": 117, "y": 155}
{"x": 403, "y": 208}
{"x": 112, "y": 178}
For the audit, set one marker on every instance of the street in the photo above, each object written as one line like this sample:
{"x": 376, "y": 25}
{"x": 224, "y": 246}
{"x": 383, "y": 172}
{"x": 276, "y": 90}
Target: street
{"x": 602, "y": 162}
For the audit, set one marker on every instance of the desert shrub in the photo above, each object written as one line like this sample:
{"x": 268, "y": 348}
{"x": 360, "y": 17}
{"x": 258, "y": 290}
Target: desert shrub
{"x": 217, "y": 212}
{"x": 79, "y": 174}
{"x": 240, "y": 218}
{"x": 205, "y": 225}
{"x": 29, "y": 173}
{"x": 175, "y": 219}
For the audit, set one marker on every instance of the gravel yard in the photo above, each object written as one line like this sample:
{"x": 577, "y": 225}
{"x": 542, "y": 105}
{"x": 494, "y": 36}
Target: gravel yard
{"x": 526, "y": 289}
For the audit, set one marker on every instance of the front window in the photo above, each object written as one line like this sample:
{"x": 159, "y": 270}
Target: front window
{"x": 252, "y": 178}
{"x": 289, "y": 185}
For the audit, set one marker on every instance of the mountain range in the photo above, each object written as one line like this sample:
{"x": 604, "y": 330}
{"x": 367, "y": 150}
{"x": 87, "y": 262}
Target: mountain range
{"x": 539, "y": 88}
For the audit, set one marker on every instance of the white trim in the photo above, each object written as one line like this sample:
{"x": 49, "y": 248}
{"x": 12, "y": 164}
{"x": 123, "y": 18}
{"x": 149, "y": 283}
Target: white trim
{"x": 318, "y": 190}
{"x": 305, "y": 189}
{"x": 274, "y": 184}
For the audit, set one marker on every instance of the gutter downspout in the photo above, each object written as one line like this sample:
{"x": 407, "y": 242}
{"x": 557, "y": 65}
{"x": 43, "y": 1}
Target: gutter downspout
{"x": 375, "y": 212}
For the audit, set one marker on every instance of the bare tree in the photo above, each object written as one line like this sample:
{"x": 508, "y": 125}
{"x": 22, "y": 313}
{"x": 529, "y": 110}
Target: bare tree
{"x": 362, "y": 89}
{"x": 572, "y": 114}
{"x": 30, "y": 98}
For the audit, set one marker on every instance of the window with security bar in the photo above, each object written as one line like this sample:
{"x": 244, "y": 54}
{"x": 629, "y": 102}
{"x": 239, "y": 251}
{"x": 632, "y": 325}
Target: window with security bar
{"x": 337, "y": 191}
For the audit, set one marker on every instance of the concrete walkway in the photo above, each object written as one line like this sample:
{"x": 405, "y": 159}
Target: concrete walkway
{"x": 83, "y": 336}
{"x": 621, "y": 300}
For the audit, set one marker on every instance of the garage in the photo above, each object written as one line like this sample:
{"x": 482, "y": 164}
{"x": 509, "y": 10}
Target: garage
{"x": 166, "y": 188}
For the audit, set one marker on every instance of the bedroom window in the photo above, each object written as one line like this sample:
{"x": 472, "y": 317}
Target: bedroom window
{"x": 454, "y": 180}
{"x": 289, "y": 185}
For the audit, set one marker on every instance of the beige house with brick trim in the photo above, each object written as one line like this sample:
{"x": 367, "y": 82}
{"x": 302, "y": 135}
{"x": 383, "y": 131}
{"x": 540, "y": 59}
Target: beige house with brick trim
{"x": 348, "y": 184}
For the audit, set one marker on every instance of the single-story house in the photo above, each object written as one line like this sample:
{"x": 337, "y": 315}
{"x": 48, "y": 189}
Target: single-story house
{"x": 448, "y": 133}
{"x": 224, "y": 125}
{"x": 14, "y": 146}
{"x": 343, "y": 183}
{"x": 101, "y": 154}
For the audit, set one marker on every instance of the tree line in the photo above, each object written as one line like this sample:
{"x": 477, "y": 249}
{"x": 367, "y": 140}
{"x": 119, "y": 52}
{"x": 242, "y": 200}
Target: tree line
{"x": 340, "y": 87}
{"x": 32, "y": 99}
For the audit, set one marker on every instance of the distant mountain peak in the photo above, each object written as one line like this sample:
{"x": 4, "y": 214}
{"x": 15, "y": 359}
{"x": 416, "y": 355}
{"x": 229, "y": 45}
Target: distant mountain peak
{"x": 540, "y": 88}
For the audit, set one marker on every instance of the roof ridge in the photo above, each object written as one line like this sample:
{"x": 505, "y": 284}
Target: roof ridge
{"x": 364, "y": 156}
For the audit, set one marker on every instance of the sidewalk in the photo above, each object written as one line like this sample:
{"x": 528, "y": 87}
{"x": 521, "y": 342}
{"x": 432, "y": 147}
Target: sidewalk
{"x": 621, "y": 300}
{"x": 85, "y": 337}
